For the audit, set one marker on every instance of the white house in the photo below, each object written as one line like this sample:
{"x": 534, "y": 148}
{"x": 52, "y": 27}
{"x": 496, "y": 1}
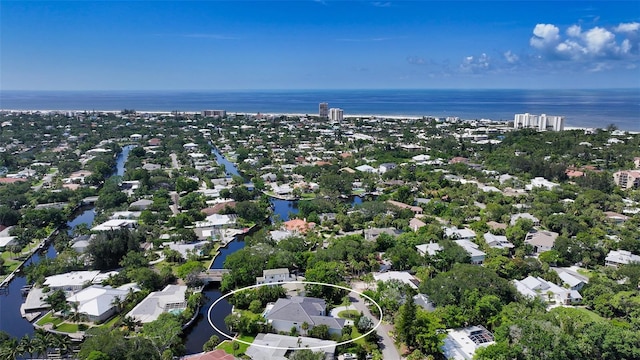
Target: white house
{"x": 115, "y": 224}
{"x": 97, "y": 302}
{"x": 497, "y": 241}
{"x": 461, "y": 234}
{"x": 275, "y": 347}
{"x": 429, "y": 249}
{"x": 172, "y": 297}
{"x": 541, "y": 182}
{"x": 401, "y": 276}
{"x": 71, "y": 281}
{"x": 538, "y": 287}
{"x": 477, "y": 256}
{"x": 515, "y": 217}
{"x": 461, "y": 344}
{"x": 541, "y": 240}
{"x": 274, "y": 276}
{"x": 616, "y": 258}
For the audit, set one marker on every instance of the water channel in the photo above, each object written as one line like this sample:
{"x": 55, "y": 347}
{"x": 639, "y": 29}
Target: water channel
{"x": 10, "y": 320}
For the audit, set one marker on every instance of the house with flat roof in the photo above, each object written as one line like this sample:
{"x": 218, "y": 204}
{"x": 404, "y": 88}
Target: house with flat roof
{"x": 280, "y": 347}
{"x": 286, "y": 314}
{"x": 171, "y": 298}
{"x": 116, "y": 224}
{"x": 461, "y": 344}
{"x": 71, "y": 281}
{"x": 460, "y": 234}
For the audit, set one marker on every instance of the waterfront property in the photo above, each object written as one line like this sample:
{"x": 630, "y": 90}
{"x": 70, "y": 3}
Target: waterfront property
{"x": 461, "y": 344}
{"x": 286, "y": 314}
{"x": 280, "y": 347}
{"x": 171, "y": 298}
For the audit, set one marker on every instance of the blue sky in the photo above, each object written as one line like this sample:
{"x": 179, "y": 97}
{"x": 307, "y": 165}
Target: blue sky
{"x": 146, "y": 45}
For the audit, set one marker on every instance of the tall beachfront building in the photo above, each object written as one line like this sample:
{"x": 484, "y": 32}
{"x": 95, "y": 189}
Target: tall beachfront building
{"x": 542, "y": 122}
{"x": 336, "y": 114}
{"x": 323, "y": 110}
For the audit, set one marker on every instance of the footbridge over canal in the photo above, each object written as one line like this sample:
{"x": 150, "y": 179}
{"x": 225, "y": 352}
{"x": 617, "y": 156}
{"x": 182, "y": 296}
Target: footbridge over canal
{"x": 212, "y": 275}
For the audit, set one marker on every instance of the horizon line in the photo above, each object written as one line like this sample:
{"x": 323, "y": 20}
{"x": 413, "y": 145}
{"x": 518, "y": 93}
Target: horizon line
{"x": 311, "y": 89}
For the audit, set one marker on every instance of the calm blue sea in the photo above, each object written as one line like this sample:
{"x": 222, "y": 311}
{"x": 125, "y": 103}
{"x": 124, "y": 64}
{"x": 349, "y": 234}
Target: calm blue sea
{"x": 584, "y": 108}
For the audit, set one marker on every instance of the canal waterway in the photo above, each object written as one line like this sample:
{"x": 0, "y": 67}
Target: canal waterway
{"x": 10, "y": 301}
{"x": 286, "y": 209}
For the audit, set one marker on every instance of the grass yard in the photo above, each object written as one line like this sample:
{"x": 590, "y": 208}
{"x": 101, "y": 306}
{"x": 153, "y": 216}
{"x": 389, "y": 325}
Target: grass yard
{"x": 49, "y": 319}
{"x": 348, "y": 314}
{"x": 67, "y": 327}
{"x": 227, "y": 345}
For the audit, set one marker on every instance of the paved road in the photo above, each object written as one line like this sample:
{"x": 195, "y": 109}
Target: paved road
{"x": 389, "y": 350}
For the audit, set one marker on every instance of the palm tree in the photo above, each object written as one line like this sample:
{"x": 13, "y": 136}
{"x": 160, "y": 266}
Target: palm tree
{"x": 305, "y": 327}
{"x": 62, "y": 343}
{"x": 75, "y": 316}
{"x": 117, "y": 303}
{"x": 40, "y": 342}
{"x": 10, "y": 350}
{"x": 25, "y": 348}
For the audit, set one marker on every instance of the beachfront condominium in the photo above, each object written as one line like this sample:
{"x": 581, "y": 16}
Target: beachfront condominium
{"x": 214, "y": 113}
{"x": 336, "y": 114}
{"x": 542, "y": 122}
{"x": 323, "y": 110}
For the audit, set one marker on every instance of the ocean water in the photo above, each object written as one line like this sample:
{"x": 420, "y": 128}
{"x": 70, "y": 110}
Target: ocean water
{"x": 582, "y": 108}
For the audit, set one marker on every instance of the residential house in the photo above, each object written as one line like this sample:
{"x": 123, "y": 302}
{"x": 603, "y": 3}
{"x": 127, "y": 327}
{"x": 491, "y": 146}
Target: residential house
{"x": 430, "y": 249}
{"x": 416, "y": 209}
{"x": 515, "y": 217}
{"x": 299, "y": 225}
{"x": 461, "y": 344}
{"x": 541, "y": 240}
{"x": 372, "y": 234}
{"x": 172, "y": 297}
{"x": 217, "y": 221}
{"x": 497, "y": 241}
{"x": 71, "y": 281}
{"x": 401, "y": 276}
{"x": 541, "y": 182}
{"x": 286, "y": 314}
{"x": 477, "y": 256}
{"x": 572, "y": 279}
{"x": 383, "y": 168}
{"x": 617, "y": 258}
{"x": 274, "y": 276}
{"x": 96, "y": 302}
{"x": 416, "y": 224}
{"x": 277, "y": 347}
{"x": 142, "y": 204}
{"x": 115, "y": 224}
{"x": 461, "y": 234}
{"x": 538, "y": 287}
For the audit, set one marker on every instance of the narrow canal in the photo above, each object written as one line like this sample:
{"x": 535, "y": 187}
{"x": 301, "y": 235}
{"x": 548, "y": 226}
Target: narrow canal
{"x": 10, "y": 320}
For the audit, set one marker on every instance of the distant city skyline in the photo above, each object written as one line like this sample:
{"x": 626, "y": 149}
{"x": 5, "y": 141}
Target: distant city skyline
{"x": 246, "y": 45}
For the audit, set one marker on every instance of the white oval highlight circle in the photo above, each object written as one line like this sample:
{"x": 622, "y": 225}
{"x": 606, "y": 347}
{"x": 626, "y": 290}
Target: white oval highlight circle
{"x": 294, "y": 282}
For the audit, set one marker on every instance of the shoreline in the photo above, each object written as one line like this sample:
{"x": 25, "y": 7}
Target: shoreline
{"x": 288, "y": 114}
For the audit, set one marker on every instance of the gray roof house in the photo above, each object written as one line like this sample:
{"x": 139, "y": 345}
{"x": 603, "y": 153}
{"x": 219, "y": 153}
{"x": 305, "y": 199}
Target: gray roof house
{"x": 293, "y": 312}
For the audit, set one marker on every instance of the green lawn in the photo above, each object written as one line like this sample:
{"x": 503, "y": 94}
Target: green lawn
{"x": 227, "y": 345}
{"x": 67, "y": 327}
{"x": 308, "y": 196}
{"x": 109, "y": 324}
{"x": 49, "y": 319}
{"x": 348, "y": 314}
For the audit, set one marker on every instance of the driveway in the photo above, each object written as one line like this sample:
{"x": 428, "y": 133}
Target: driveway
{"x": 387, "y": 347}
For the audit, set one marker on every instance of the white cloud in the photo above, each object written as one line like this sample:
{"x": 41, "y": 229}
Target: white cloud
{"x": 580, "y": 45}
{"x": 511, "y": 57}
{"x": 598, "y": 40}
{"x": 627, "y": 27}
{"x": 471, "y": 64}
{"x": 416, "y": 60}
{"x": 574, "y": 30}
{"x": 545, "y": 36}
